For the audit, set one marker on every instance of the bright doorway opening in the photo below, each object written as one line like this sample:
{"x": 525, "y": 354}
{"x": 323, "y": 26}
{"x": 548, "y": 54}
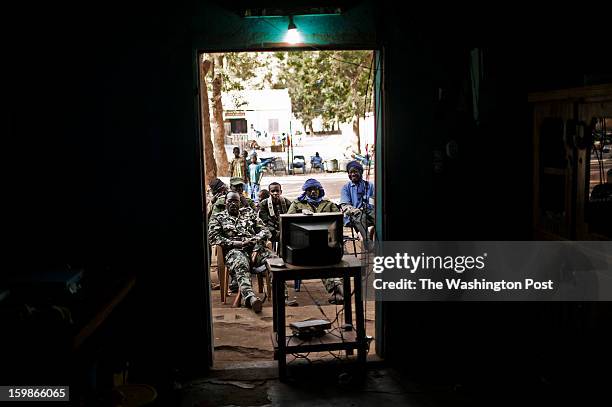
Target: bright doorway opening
{"x": 302, "y": 115}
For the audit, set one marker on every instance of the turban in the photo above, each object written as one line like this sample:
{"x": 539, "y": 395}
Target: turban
{"x": 354, "y": 164}
{"x": 312, "y": 183}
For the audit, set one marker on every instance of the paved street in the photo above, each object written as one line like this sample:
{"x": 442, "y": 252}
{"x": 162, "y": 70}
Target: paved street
{"x": 329, "y": 147}
{"x": 292, "y": 184}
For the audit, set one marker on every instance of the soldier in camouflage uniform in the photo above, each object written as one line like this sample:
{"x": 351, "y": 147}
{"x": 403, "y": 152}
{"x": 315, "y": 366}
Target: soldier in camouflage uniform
{"x": 271, "y": 208}
{"x": 217, "y": 190}
{"x": 312, "y": 200}
{"x": 236, "y": 185}
{"x": 243, "y": 236}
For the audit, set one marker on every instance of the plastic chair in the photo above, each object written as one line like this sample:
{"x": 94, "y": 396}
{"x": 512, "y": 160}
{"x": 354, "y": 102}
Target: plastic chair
{"x": 315, "y": 166}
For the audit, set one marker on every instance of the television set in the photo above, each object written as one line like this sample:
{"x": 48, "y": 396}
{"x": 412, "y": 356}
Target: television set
{"x": 311, "y": 239}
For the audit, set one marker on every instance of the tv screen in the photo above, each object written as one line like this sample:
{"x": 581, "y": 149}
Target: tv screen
{"x": 313, "y": 240}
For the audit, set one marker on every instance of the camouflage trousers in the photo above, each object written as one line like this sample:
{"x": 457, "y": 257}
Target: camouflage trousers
{"x": 239, "y": 265}
{"x": 330, "y": 283}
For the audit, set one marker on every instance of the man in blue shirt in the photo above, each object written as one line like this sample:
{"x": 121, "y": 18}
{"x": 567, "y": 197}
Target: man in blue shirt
{"x": 355, "y": 201}
{"x": 316, "y": 161}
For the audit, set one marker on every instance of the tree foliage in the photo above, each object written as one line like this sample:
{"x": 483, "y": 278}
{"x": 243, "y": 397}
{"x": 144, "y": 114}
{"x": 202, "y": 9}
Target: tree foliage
{"x": 239, "y": 69}
{"x": 248, "y": 70}
{"x": 329, "y": 84}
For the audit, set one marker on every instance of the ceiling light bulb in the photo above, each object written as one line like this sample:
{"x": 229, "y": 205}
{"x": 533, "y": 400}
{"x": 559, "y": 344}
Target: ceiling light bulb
{"x": 293, "y": 36}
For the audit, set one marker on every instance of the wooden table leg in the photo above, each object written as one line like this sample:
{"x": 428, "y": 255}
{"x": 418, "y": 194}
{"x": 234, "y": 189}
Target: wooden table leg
{"x": 279, "y": 303}
{"x": 275, "y": 295}
{"x": 268, "y": 286}
{"x": 348, "y": 308}
{"x": 361, "y": 351}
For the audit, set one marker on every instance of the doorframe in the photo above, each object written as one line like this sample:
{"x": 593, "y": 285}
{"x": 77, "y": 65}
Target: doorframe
{"x": 380, "y": 137}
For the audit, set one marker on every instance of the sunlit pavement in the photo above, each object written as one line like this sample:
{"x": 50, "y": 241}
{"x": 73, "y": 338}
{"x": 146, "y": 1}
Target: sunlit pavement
{"x": 292, "y": 184}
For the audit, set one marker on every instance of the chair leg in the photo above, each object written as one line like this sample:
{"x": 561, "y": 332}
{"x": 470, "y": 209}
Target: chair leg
{"x": 268, "y": 286}
{"x": 236, "y": 302}
{"x": 221, "y": 273}
{"x": 260, "y": 283}
{"x": 227, "y": 283}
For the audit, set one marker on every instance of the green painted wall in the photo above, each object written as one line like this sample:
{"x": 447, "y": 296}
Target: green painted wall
{"x": 215, "y": 28}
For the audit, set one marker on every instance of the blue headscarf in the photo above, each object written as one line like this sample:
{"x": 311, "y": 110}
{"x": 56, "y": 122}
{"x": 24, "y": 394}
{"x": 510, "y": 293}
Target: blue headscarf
{"x": 354, "y": 164}
{"x": 361, "y": 185}
{"x": 312, "y": 183}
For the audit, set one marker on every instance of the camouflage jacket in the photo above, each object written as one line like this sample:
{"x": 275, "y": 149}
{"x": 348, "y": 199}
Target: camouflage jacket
{"x": 223, "y": 229}
{"x": 324, "y": 206}
{"x": 272, "y": 218}
{"x": 219, "y": 204}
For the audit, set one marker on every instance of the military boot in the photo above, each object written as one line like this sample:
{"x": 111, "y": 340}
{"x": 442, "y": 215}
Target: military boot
{"x": 337, "y": 295}
{"x": 254, "y": 303}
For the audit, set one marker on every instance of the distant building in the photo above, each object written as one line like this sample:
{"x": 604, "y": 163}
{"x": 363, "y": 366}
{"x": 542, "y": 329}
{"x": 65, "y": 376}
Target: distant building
{"x": 247, "y": 112}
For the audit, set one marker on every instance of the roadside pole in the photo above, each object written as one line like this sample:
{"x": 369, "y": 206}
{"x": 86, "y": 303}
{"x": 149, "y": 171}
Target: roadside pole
{"x": 290, "y": 144}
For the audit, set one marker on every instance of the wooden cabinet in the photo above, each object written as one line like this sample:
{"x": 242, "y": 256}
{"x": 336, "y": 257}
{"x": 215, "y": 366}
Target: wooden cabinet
{"x": 563, "y": 123}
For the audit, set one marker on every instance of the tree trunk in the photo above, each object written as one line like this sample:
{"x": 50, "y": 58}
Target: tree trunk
{"x": 356, "y": 140}
{"x": 210, "y": 166}
{"x": 218, "y": 126}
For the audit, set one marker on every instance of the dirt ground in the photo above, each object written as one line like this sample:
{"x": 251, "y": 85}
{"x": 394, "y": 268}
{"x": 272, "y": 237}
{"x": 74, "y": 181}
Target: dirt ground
{"x": 242, "y": 337}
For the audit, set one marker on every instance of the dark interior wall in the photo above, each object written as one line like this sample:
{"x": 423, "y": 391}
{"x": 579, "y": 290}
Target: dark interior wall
{"x": 484, "y": 194}
{"x": 106, "y": 168}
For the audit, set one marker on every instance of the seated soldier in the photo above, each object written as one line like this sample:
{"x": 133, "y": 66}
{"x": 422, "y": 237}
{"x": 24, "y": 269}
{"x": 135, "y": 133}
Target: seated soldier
{"x": 236, "y": 185}
{"x": 355, "y": 202}
{"x": 263, "y": 194}
{"x": 312, "y": 200}
{"x": 217, "y": 191}
{"x": 271, "y": 208}
{"x": 243, "y": 237}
